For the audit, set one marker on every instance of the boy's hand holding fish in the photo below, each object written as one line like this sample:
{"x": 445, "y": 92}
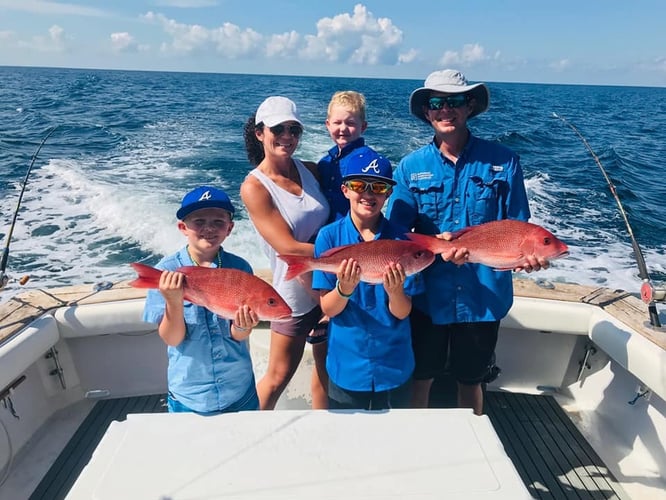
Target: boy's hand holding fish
{"x": 394, "y": 279}
{"x": 349, "y": 275}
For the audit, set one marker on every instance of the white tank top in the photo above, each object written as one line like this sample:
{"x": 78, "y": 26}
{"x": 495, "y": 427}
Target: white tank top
{"x": 304, "y": 214}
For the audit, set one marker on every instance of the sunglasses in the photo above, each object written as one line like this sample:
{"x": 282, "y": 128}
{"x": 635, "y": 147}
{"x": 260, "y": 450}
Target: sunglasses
{"x": 450, "y": 101}
{"x": 295, "y": 130}
{"x": 359, "y": 186}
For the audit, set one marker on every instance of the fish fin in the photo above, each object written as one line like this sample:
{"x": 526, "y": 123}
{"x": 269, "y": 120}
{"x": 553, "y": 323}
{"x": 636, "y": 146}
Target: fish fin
{"x": 333, "y": 251}
{"x": 296, "y": 265}
{"x": 460, "y": 232}
{"x": 149, "y": 277}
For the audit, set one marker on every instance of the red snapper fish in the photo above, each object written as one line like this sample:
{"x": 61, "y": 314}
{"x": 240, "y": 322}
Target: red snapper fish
{"x": 372, "y": 257}
{"x": 221, "y": 290}
{"x": 502, "y": 245}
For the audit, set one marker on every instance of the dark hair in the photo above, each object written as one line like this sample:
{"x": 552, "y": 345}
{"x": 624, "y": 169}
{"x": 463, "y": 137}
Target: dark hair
{"x": 253, "y": 146}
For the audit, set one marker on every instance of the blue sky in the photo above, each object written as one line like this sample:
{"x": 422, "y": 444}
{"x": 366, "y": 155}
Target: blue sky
{"x": 601, "y": 42}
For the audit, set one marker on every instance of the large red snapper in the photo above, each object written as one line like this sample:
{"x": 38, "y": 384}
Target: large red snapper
{"x": 502, "y": 244}
{"x": 372, "y": 257}
{"x": 221, "y": 290}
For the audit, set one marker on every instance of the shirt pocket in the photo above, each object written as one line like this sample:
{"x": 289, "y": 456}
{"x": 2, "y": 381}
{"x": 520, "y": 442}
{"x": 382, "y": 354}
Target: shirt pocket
{"x": 192, "y": 315}
{"x": 429, "y": 196}
{"x": 486, "y": 196}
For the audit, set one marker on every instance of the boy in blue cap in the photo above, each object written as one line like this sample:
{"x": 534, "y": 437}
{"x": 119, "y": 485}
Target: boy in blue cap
{"x": 370, "y": 359}
{"x": 210, "y": 369}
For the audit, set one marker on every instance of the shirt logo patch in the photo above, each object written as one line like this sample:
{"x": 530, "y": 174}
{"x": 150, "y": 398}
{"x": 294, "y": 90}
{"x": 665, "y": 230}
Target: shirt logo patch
{"x": 419, "y": 176}
{"x": 497, "y": 168}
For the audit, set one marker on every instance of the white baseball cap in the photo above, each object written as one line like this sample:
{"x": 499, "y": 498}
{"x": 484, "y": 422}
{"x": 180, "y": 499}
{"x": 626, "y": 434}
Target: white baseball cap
{"x": 275, "y": 110}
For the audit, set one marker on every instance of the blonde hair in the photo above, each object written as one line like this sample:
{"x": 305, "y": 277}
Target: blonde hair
{"x": 351, "y": 99}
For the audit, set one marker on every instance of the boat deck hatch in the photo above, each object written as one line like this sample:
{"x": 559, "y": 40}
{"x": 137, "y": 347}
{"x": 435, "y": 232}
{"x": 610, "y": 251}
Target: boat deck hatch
{"x": 551, "y": 456}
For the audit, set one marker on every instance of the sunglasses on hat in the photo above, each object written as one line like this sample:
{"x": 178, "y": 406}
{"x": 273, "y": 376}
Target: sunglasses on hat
{"x": 359, "y": 186}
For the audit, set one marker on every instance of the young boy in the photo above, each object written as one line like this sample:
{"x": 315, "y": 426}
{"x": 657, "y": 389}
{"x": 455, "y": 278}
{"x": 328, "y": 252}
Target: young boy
{"x": 370, "y": 359}
{"x": 210, "y": 370}
{"x": 346, "y": 124}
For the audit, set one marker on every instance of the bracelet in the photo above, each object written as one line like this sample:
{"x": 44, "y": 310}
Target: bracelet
{"x": 240, "y": 328}
{"x": 343, "y": 295}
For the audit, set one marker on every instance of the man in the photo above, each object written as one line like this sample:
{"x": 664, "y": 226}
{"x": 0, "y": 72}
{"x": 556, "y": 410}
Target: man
{"x": 455, "y": 181}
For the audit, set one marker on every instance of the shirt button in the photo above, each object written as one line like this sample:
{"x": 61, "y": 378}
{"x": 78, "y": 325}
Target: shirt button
{"x": 456, "y": 200}
{"x": 219, "y": 381}
{"x": 456, "y": 221}
{"x": 459, "y": 287}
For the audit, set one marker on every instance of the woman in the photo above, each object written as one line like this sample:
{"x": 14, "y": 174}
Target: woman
{"x": 287, "y": 208}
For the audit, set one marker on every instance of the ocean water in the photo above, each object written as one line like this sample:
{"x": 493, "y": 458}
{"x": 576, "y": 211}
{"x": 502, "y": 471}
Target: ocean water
{"x": 105, "y": 186}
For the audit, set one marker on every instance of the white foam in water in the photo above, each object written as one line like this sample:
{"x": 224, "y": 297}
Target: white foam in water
{"x": 76, "y": 213}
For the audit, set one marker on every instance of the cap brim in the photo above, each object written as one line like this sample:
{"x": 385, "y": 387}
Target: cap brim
{"x": 185, "y": 211}
{"x": 366, "y": 176}
{"x": 478, "y": 91}
{"x": 273, "y": 120}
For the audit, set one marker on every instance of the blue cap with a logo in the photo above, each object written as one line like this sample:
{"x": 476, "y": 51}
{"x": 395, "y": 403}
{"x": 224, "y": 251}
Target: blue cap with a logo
{"x": 204, "y": 197}
{"x": 364, "y": 163}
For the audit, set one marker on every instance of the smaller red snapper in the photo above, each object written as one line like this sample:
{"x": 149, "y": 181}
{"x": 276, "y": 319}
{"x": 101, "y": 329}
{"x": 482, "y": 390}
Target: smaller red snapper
{"x": 221, "y": 290}
{"x": 372, "y": 257}
{"x": 502, "y": 245}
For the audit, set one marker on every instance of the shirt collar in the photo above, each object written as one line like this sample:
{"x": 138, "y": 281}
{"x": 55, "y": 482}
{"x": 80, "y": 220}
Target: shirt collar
{"x": 337, "y": 154}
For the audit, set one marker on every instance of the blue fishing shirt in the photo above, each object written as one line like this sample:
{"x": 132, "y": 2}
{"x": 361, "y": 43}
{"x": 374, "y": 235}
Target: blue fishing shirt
{"x": 369, "y": 349}
{"x": 434, "y": 195}
{"x": 209, "y": 370}
{"x": 332, "y": 169}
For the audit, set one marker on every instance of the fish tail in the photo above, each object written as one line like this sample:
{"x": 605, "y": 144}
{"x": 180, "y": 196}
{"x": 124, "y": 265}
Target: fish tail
{"x": 149, "y": 277}
{"x": 435, "y": 245}
{"x": 296, "y": 265}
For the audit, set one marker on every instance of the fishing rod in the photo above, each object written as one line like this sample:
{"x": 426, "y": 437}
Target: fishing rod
{"x": 649, "y": 293}
{"x": 4, "y": 279}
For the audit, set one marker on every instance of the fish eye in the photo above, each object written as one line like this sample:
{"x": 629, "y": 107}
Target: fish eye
{"x": 272, "y": 301}
{"x": 546, "y": 241}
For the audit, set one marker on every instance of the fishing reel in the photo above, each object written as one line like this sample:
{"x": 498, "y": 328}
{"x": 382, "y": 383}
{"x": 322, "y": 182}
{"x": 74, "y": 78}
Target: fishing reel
{"x": 5, "y": 279}
{"x": 651, "y": 294}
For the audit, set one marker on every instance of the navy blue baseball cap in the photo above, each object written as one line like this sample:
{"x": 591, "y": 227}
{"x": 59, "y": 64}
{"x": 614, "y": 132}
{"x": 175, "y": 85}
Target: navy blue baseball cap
{"x": 365, "y": 163}
{"x": 204, "y": 197}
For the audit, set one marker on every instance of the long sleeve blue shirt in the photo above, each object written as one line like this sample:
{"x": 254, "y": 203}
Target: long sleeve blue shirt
{"x": 434, "y": 195}
{"x": 332, "y": 169}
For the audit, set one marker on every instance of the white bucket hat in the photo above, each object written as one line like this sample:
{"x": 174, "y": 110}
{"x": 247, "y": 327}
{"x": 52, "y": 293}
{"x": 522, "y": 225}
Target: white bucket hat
{"x": 275, "y": 110}
{"x": 448, "y": 81}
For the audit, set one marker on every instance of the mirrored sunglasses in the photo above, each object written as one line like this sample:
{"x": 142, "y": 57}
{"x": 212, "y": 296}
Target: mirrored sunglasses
{"x": 295, "y": 130}
{"x": 450, "y": 101}
{"x": 377, "y": 187}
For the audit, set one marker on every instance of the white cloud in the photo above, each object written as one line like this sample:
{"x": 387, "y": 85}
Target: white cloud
{"x": 284, "y": 45}
{"x": 228, "y": 39}
{"x": 408, "y": 57}
{"x": 468, "y": 56}
{"x": 123, "y": 42}
{"x": 54, "y": 41}
{"x": 233, "y": 42}
{"x": 358, "y": 38}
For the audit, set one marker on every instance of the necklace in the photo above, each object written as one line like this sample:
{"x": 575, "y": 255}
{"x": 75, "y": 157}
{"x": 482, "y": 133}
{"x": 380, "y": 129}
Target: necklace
{"x": 219, "y": 257}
